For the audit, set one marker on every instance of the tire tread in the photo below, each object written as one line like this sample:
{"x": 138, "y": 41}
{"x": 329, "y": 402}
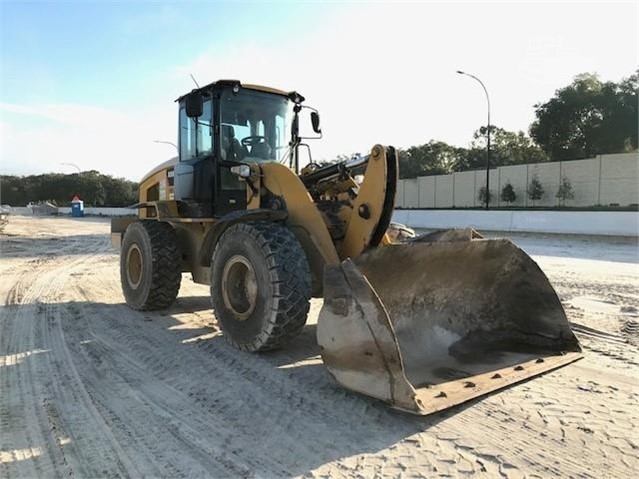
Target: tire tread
{"x": 166, "y": 265}
{"x": 290, "y": 279}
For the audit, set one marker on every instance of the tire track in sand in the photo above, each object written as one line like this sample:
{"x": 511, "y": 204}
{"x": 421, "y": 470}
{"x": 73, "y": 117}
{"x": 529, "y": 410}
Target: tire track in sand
{"x": 36, "y": 373}
{"x": 313, "y": 400}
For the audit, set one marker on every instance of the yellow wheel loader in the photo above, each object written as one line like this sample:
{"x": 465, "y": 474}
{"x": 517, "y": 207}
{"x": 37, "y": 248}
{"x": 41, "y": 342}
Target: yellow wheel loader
{"x": 423, "y": 324}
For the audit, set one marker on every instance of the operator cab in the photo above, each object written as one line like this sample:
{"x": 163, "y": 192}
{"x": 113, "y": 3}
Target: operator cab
{"x": 225, "y": 124}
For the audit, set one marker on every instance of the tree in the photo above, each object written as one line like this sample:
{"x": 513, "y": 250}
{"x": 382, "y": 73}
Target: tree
{"x": 483, "y": 197}
{"x": 508, "y": 194}
{"x": 93, "y": 187}
{"x": 432, "y": 158}
{"x": 440, "y": 158}
{"x": 535, "y": 189}
{"x": 565, "y": 191}
{"x": 506, "y": 147}
{"x": 338, "y": 159}
{"x": 588, "y": 117}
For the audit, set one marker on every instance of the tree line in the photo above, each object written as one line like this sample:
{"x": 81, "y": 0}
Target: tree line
{"x": 94, "y": 188}
{"x": 584, "y": 119}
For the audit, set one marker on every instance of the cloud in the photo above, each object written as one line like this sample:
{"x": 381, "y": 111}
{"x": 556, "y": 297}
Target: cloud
{"x": 163, "y": 18}
{"x": 386, "y": 73}
{"x": 64, "y": 113}
{"x": 371, "y": 84}
{"x": 40, "y": 138}
{"x": 378, "y": 73}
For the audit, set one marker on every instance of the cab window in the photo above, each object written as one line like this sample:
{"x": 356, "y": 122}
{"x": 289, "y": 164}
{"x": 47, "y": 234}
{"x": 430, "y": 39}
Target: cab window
{"x": 254, "y": 125}
{"x": 195, "y": 138}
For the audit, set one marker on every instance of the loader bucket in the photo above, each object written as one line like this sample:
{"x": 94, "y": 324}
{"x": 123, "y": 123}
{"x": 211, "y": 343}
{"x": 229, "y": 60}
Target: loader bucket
{"x": 440, "y": 320}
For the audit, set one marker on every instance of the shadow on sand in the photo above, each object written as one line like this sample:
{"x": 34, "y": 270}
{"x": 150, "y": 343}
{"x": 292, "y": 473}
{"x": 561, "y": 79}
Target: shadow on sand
{"x": 282, "y": 407}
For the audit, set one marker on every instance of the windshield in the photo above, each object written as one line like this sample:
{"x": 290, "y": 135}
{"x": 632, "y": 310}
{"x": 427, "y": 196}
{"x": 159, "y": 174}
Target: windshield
{"x": 256, "y": 126}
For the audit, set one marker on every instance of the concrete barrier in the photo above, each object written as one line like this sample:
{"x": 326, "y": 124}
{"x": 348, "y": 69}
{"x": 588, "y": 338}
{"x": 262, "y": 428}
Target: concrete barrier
{"x": 20, "y": 210}
{"x": 88, "y": 211}
{"x": 611, "y": 223}
{"x": 103, "y": 211}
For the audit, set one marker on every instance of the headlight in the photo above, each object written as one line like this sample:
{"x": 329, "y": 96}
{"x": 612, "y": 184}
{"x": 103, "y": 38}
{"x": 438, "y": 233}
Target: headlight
{"x": 243, "y": 171}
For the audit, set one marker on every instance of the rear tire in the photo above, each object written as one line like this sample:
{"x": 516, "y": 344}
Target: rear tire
{"x": 260, "y": 285}
{"x": 150, "y": 265}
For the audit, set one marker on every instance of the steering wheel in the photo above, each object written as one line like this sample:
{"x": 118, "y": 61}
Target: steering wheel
{"x": 253, "y": 140}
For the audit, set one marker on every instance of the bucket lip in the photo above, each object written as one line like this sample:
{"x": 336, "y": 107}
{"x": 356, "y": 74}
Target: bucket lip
{"x": 430, "y": 399}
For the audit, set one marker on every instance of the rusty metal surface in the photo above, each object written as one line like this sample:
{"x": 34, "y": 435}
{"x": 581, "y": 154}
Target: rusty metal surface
{"x": 426, "y": 325}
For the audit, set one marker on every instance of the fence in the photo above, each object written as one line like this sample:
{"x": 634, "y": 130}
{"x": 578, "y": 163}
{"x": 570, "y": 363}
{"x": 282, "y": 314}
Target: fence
{"x": 607, "y": 180}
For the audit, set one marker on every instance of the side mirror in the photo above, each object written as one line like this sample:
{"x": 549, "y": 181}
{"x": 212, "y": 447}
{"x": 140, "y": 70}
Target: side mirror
{"x": 315, "y": 121}
{"x": 193, "y": 104}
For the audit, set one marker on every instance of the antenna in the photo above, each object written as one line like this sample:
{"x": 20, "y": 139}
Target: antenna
{"x": 194, "y": 81}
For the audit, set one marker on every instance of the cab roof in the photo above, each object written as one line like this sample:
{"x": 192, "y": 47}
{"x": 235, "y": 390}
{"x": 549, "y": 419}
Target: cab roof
{"x": 292, "y": 95}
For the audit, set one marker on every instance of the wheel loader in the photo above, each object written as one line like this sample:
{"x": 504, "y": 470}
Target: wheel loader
{"x": 423, "y": 324}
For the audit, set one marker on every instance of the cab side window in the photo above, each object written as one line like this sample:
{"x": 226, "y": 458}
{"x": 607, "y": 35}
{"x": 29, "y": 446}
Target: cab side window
{"x": 196, "y": 140}
{"x": 204, "y": 138}
{"x": 186, "y": 136}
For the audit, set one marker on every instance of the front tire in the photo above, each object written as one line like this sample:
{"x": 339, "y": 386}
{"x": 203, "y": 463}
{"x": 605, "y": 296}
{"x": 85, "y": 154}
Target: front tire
{"x": 260, "y": 285}
{"x": 150, "y": 265}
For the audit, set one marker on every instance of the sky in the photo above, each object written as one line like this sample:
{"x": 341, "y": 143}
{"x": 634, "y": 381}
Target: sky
{"x": 93, "y": 83}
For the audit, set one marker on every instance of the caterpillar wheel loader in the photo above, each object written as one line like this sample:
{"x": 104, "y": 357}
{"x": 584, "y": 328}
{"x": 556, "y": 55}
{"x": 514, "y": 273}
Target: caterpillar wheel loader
{"x": 423, "y": 323}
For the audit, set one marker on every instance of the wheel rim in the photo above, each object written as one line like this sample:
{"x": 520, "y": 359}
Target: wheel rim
{"x": 239, "y": 287}
{"x": 134, "y": 266}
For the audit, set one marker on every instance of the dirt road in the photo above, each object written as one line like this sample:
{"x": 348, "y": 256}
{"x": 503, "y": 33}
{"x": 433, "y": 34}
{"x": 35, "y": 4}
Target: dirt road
{"x": 89, "y": 388}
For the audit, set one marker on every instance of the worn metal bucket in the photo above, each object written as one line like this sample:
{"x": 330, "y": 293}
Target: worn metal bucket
{"x": 440, "y": 320}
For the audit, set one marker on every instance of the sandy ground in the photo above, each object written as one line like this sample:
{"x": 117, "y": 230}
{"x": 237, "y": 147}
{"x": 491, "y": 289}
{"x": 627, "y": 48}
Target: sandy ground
{"x": 89, "y": 388}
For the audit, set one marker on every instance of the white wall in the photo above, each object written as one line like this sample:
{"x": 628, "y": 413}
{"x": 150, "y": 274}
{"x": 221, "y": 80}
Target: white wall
{"x": 426, "y": 191}
{"x": 517, "y": 176}
{"x": 584, "y": 178}
{"x": 411, "y": 193}
{"x": 480, "y": 180}
{"x": 444, "y": 191}
{"x": 399, "y": 195}
{"x": 90, "y": 211}
{"x": 605, "y": 180}
{"x": 615, "y": 223}
{"x": 619, "y": 179}
{"x": 548, "y": 175}
{"x": 465, "y": 189}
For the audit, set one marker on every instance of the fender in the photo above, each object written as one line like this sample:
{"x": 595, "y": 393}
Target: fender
{"x": 304, "y": 220}
{"x": 164, "y": 209}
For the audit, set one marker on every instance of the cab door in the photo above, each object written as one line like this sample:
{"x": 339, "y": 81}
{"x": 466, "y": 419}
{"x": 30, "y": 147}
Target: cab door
{"x": 231, "y": 192}
{"x": 230, "y": 189}
{"x": 195, "y": 172}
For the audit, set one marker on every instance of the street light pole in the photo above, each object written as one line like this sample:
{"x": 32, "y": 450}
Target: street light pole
{"x": 167, "y": 143}
{"x": 74, "y": 165}
{"x": 488, "y": 136}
